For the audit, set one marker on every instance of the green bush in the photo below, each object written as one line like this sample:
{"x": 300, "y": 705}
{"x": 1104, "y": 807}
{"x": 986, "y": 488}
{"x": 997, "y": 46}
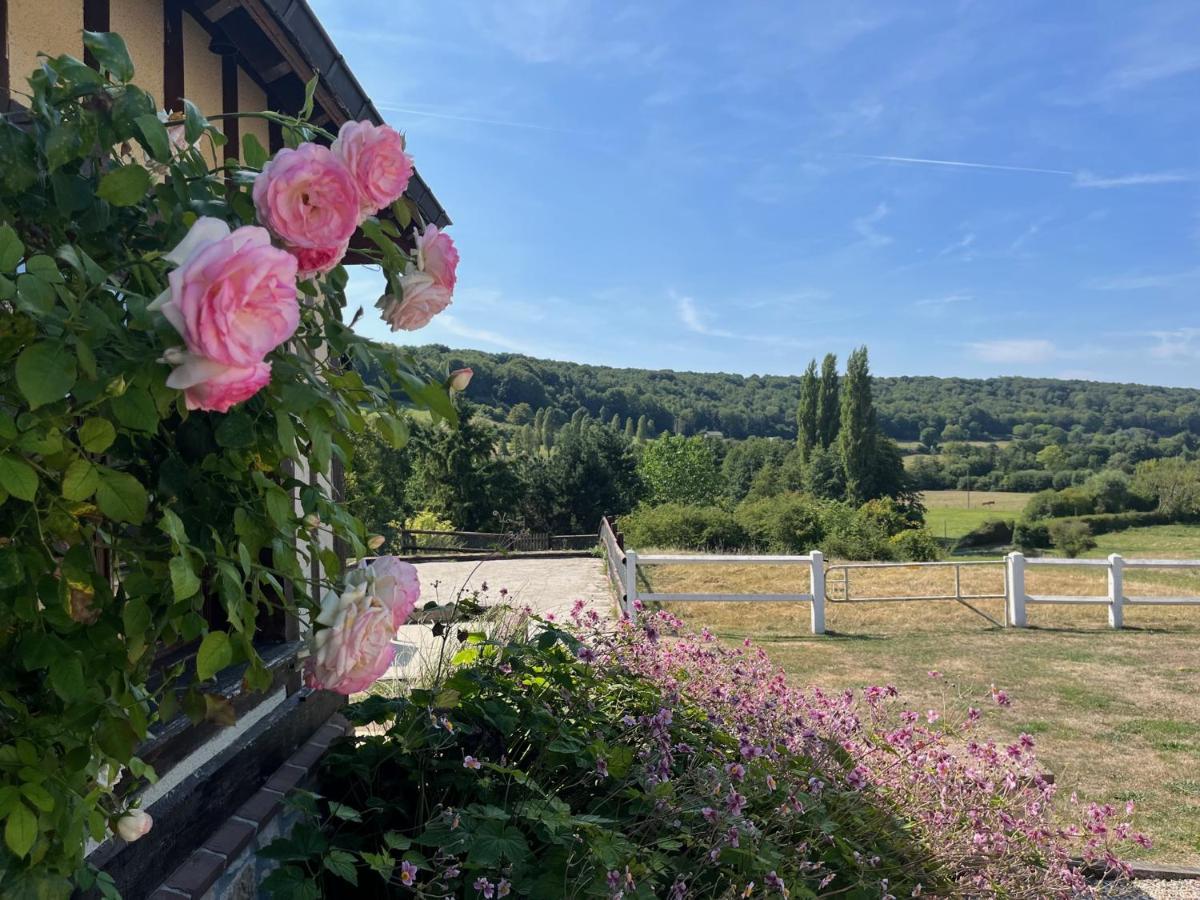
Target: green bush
{"x": 916, "y": 545}
{"x": 1070, "y": 536}
{"x": 676, "y": 525}
{"x": 785, "y": 523}
{"x": 992, "y": 533}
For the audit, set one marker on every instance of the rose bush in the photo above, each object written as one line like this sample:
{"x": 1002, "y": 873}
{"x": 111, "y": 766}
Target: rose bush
{"x": 175, "y": 359}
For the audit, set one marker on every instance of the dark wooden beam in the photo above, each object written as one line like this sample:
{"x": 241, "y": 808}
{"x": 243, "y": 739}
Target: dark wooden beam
{"x": 4, "y": 55}
{"x": 96, "y": 17}
{"x": 173, "y": 85}
{"x": 219, "y": 10}
{"x": 277, "y": 71}
{"x": 229, "y": 100}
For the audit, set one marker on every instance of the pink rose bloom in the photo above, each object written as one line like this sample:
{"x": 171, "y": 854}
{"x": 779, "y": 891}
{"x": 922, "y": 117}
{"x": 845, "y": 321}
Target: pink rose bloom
{"x": 213, "y": 386}
{"x": 134, "y": 825}
{"x": 437, "y": 255}
{"x": 397, "y": 584}
{"x": 312, "y": 262}
{"x": 375, "y": 156}
{"x": 355, "y": 648}
{"x": 233, "y": 296}
{"x": 307, "y": 197}
{"x": 423, "y": 299}
{"x": 459, "y": 379}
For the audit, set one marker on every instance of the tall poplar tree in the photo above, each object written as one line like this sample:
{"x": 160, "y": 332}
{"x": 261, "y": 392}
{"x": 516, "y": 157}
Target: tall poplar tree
{"x": 806, "y": 414}
{"x": 857, "y": 436}
{"x": 828, "y": 407}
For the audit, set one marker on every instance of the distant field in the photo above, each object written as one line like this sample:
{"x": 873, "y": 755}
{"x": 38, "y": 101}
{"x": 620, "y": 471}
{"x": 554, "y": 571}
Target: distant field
{"x": 1114, "y": 713}
{"x": 951, "y": 514}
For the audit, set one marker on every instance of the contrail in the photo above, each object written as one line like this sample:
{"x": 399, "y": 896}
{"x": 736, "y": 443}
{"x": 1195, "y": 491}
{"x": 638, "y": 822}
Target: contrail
{"x": 507, "y": 123}
{"x": 960, "y": 164}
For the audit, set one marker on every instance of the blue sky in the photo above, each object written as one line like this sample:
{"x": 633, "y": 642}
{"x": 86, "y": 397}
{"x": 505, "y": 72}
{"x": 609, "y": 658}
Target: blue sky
{"x": 734, "y": 186}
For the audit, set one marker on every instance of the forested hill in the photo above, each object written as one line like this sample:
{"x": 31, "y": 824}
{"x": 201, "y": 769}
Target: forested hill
{"x": 765, "y": 405}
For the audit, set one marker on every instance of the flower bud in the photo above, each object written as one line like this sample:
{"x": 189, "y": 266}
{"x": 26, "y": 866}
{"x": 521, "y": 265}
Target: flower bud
{"x": 459, "y": 379}
{"x": 133, "y": 825}
{"x": 312, "y": 520}
{"x": 375, "y": 541}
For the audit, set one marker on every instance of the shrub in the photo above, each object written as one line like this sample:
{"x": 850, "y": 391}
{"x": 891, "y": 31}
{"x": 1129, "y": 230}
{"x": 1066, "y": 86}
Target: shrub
{"x": 992, "y": 533}
{"x": 675, "y": 525}
{"x": 595, "y": 762}
{"x": 676, "y": 469}
{"x": 425, "y": 520}
{"x": 915, "y": 545}
{"x": 1030, "y": 535}
{"x": 1070, "y": 536}
{"x": 785, "y": 523}
{"x": 1027, "y": 480}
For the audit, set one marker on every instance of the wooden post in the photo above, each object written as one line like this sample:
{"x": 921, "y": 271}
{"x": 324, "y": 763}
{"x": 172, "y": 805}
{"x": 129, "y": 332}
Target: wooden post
{"x": 1116, "y": 591}
{"x": 816, "y": 586}
{"x": 1015, "y": 602}
{"x": 631, "y": 585}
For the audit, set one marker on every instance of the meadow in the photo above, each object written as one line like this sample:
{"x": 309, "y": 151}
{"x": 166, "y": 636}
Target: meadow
{"x": 1114, "y": 713}
{"x": 951, "y": 514}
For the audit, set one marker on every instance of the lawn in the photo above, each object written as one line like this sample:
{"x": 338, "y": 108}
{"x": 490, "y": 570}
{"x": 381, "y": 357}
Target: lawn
{"x": 951, "y": 514}
{"x": 1115, "y": 714}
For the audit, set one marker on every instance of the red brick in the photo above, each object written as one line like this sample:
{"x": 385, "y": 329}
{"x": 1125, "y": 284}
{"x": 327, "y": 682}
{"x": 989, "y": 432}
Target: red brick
{"x": 197, "y": 873}
{"x": 231, "y": 838}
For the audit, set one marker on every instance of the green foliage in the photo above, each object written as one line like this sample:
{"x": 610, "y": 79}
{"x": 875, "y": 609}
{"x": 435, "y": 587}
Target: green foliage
{"x": 808, "y": 411}
{"x": 786, "y": 523}
{"x": 1070, "y": 536}
{"x": 676, "y": 469}
{"x": 121, "y": 510}
{"x": 679, "y": 527}
{"x": 915, "y": 545}
{"x": 553, "y": 776}
{"x": 857, "y": 433}
{"x": 591, "y": 473}
{"x": 829, "y": 410}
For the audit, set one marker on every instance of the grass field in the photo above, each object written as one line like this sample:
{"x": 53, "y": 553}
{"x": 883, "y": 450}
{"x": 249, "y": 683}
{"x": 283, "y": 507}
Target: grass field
{"x": 1115, "y": 714}
{"x": 951, "y": 514}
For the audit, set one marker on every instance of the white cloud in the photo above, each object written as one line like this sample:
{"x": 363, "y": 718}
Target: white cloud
{"x": 447, "y": 322}
{"x": 962, "y": 245}
{"x": 1032, "y": 350}
{"x": 865, "y": 226}
{"x": 941, "y": 302}
{"x": 1142, "y": 282}
{"x": 693, "y": 320}
{"x": 1085, "y": 179}
{"x": 961, "y": 164}
{"x": 1180, "y": 344}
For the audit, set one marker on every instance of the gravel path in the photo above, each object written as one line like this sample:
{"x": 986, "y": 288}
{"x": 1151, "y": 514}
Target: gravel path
{"x": 1153, "y": 889}
{"x": 546, "y": 585}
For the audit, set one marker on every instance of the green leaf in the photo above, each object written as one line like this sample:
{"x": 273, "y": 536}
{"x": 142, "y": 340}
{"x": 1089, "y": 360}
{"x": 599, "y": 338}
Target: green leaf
{"x": 173, "y": 526}
{"x": 194, "y": 122}
{"x": 215, "y": 653}
{"x": 280, "y": 507}
{"x": 34, "y": 295}
{"x": 45, "y": 372}
{"x": 66, "y": 677}
{"x": 80, "y": 480}
{"x": 18, "y": 477}
{"x": 21, "y": 830}
{"x": 184, "y": 582}
{"x": 124, "y": 186}
{"x": 310, "y": 92}
{"x": 110, "y": 53}
{"x": 121, "y": 497}
{"x": 341, "y": 864}
{"x": 19, "y": 154}
{"x": 45, "y": 268}
{"x": 254, "y": 155}
{"x": 116, "y": 737}
{"x": 63, "y": 144}
{"x": 11, "y": 248}
{"x": 96, "y": 435}
{"x": 154, "y": 137}
{"x": 38, "y": 796}
{"x": 135, "y": 409}
{"x": 236, "y": 431}
{"x": 136, "y": 618}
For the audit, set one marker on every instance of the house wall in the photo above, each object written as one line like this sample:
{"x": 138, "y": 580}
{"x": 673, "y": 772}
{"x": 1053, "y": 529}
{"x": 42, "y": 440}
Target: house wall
{"x": 202, "y": 78}
{"x": 252, "y": 98}
{"x": 140, "y": 22}
{"x": 51, "y": 26}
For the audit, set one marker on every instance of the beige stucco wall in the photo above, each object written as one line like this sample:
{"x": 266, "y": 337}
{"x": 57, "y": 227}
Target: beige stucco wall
{"x": 140, "y": 22}
{"x": 51, "y": 26}
{"x": 201, "y": 75}
{"x": 252, "y": 98}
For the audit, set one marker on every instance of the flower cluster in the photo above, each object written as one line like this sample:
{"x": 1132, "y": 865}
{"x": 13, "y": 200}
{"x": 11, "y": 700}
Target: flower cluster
{"x": 232, "y": 295}
{"x": 355, "y": 647}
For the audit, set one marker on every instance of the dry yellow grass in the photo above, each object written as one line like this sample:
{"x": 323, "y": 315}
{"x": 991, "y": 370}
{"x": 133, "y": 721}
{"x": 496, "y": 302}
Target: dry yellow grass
{"x": 1115, "y": 714}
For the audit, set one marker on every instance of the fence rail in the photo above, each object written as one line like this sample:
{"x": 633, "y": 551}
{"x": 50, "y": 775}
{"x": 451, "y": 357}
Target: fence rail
{"x": 415, "y": 540}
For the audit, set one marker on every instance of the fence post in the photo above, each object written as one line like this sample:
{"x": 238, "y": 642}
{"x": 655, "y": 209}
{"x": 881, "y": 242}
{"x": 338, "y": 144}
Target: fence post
{"x": 816, "y": 586}
{"x": 1015, "y": 602}
{"x": 1116, "y": 591}
{"x": 631, "y": 585}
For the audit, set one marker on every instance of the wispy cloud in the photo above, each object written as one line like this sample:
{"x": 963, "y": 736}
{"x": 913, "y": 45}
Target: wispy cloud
{"x": 960, "y": 247}
{"x": 1180, "y": 344}
{"x": 690, "y": 316}
{"x": 1088, "y": 180}
{"x": 460, "y": 329}
{"x": 941, "y": 302}
{"x": 865, "y": 226}
{"x": 1015, "y": 351}
{"x": 481, "y": 120}
{"x": 1141, "y": 282}
{"x": 960, "y": 164}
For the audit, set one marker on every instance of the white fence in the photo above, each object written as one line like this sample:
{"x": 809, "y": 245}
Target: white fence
{"x": 1115, "y": 599}
{"x": 814, "y": 562}
{"x": 623, "y": 573}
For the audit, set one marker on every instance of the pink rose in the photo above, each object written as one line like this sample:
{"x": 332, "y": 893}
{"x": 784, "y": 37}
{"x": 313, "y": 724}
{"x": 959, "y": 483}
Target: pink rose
{"x": 312, "y": 262}
{"x": 307, "y": 197}
{"x": 375, "y": 156}
{"x": 397, "y": 584}
{"x": 233, "y": 296}
{"x": 437, "y": 255}
{"x": 355, "y": 648}
{"x": 423, "y": 299}
{"x": 134, "y": 825}
{"x": 459, "y": 379}
{"x": 213, "y": 386}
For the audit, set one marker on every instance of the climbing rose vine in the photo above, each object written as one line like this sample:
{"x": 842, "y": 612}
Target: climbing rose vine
{"x": 176, "y": 369}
